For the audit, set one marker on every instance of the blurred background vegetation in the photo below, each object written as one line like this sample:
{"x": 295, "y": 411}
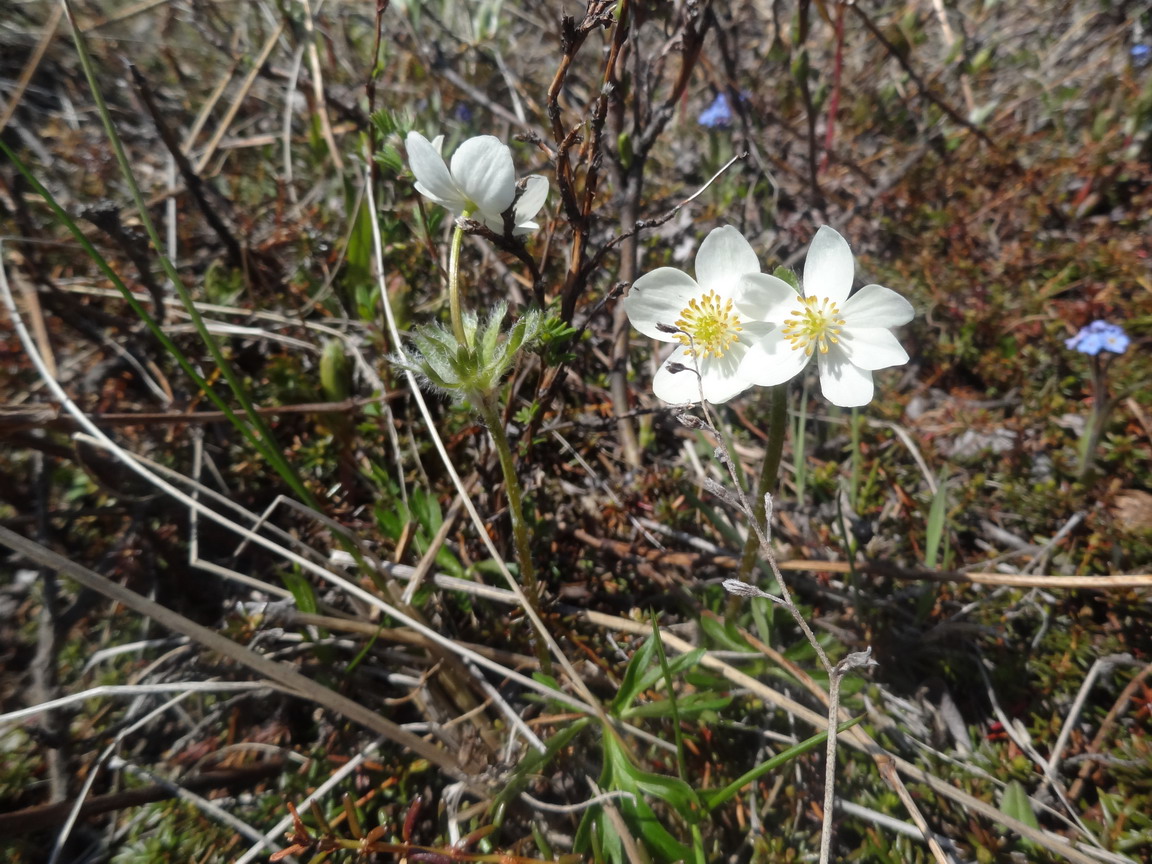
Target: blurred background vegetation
{"x": 990, "y": 161}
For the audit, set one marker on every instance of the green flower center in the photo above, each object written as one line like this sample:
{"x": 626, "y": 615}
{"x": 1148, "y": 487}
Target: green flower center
{"x": 708, "y": 326}
{"x": 817, "y": 323}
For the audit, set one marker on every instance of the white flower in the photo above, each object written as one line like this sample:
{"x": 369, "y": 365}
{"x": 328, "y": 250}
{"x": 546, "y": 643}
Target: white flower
{"x": 849, "y": 336}
{"x": 481, "y": 183}
{"x": 704, "y": 316}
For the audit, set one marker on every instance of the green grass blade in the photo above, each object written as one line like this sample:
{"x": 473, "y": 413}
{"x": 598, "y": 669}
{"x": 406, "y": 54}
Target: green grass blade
{"x": 715, "y": 798}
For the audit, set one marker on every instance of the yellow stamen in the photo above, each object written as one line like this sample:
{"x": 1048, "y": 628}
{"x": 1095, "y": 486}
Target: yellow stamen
{"x": 817, "y": 323}
{"x": 709, "y": 326}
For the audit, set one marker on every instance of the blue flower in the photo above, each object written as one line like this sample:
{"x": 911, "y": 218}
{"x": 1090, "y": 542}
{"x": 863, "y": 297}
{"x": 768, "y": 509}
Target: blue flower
{"x": 1099, "y": 336}
{"x": 718, "y": 115}
{"x": 1140, "y": 53}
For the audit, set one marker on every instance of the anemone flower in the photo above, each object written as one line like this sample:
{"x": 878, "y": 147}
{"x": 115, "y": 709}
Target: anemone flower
{"x": 481, "y": 183}
{"x": 850, "y": 337}
{"x": 703, "y": 316}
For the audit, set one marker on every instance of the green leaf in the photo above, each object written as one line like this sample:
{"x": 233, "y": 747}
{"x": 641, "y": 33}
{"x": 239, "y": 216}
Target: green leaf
{"x": 622, "y": 775}
{"x": 718, "y": 632}
{"x": 648, "y": 679}
{"x": 629, "y": 686}
{"x": 692, "y": 704}
{"x": 302, "y": 592}
{"x": 426, "y": 509}
{"x": 936, "y": 523}
{"x": 335, "y": 372}
{"x": 1015, "y": 803}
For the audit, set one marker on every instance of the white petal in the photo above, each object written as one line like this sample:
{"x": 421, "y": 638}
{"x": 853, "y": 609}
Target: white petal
{"x": 432, "y": 177}
{"x": 455, "y": 203}
{"x": 482, "y": 168}
{"x": 721, "y": 376}
{"x": 679, "y": 388}
{"x": 658, "y": 298}
{"x": 531, "y": 200}
{"x": 494, "y": 223}
{"x": 753, "y": 332}
{"x": 763, "y": 297}
{"x": 829, "y": 266}
{"x": 877, "y": 306}
{"x": 842, "y": 383}
{"x": 771, "y": 361}
{"x": 872, "y": 347}
{"x": 722, "y": 259}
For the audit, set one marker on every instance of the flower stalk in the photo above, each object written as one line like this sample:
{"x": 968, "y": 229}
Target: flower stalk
{"x": 769, "y": 476}
{"x": 454, "y": 283}
{"x": 1094, "y": 428}
{"x": 489, "y": 413}
{"x": 1099, "y": 341}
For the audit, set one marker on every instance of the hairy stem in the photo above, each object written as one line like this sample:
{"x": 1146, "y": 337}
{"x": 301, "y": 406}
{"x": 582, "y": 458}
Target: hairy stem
{"x": 769, "y": 474}
{"x": 515, "y": 492}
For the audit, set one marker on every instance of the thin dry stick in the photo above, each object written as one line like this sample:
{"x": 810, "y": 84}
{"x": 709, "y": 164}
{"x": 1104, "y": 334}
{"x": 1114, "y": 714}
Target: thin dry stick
{"x": 318, "y": 88}
{"x": 17, "y": 92}
{"x": 234, "y": 108}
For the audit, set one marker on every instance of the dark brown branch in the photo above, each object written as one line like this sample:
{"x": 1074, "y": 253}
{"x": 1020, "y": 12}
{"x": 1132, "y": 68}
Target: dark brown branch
{"x": 43, "y": 816}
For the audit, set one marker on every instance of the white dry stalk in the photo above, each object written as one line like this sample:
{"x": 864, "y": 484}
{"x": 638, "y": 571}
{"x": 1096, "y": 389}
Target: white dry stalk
{"x": 119, "y": 690}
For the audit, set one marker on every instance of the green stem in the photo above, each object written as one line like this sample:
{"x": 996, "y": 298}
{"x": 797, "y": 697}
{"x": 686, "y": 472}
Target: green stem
{"x": 454, "y": 283}
{"x": 769, "y": 473}
{"x": 1090, "y": 439}
{"x": 515, "y": 493}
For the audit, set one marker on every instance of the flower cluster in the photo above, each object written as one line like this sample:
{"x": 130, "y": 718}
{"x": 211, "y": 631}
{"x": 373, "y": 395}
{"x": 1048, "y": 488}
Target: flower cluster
{"x": 736, "y": 326}
{"x": 1099, "y": 336}
{"x": 480, "y": 184}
